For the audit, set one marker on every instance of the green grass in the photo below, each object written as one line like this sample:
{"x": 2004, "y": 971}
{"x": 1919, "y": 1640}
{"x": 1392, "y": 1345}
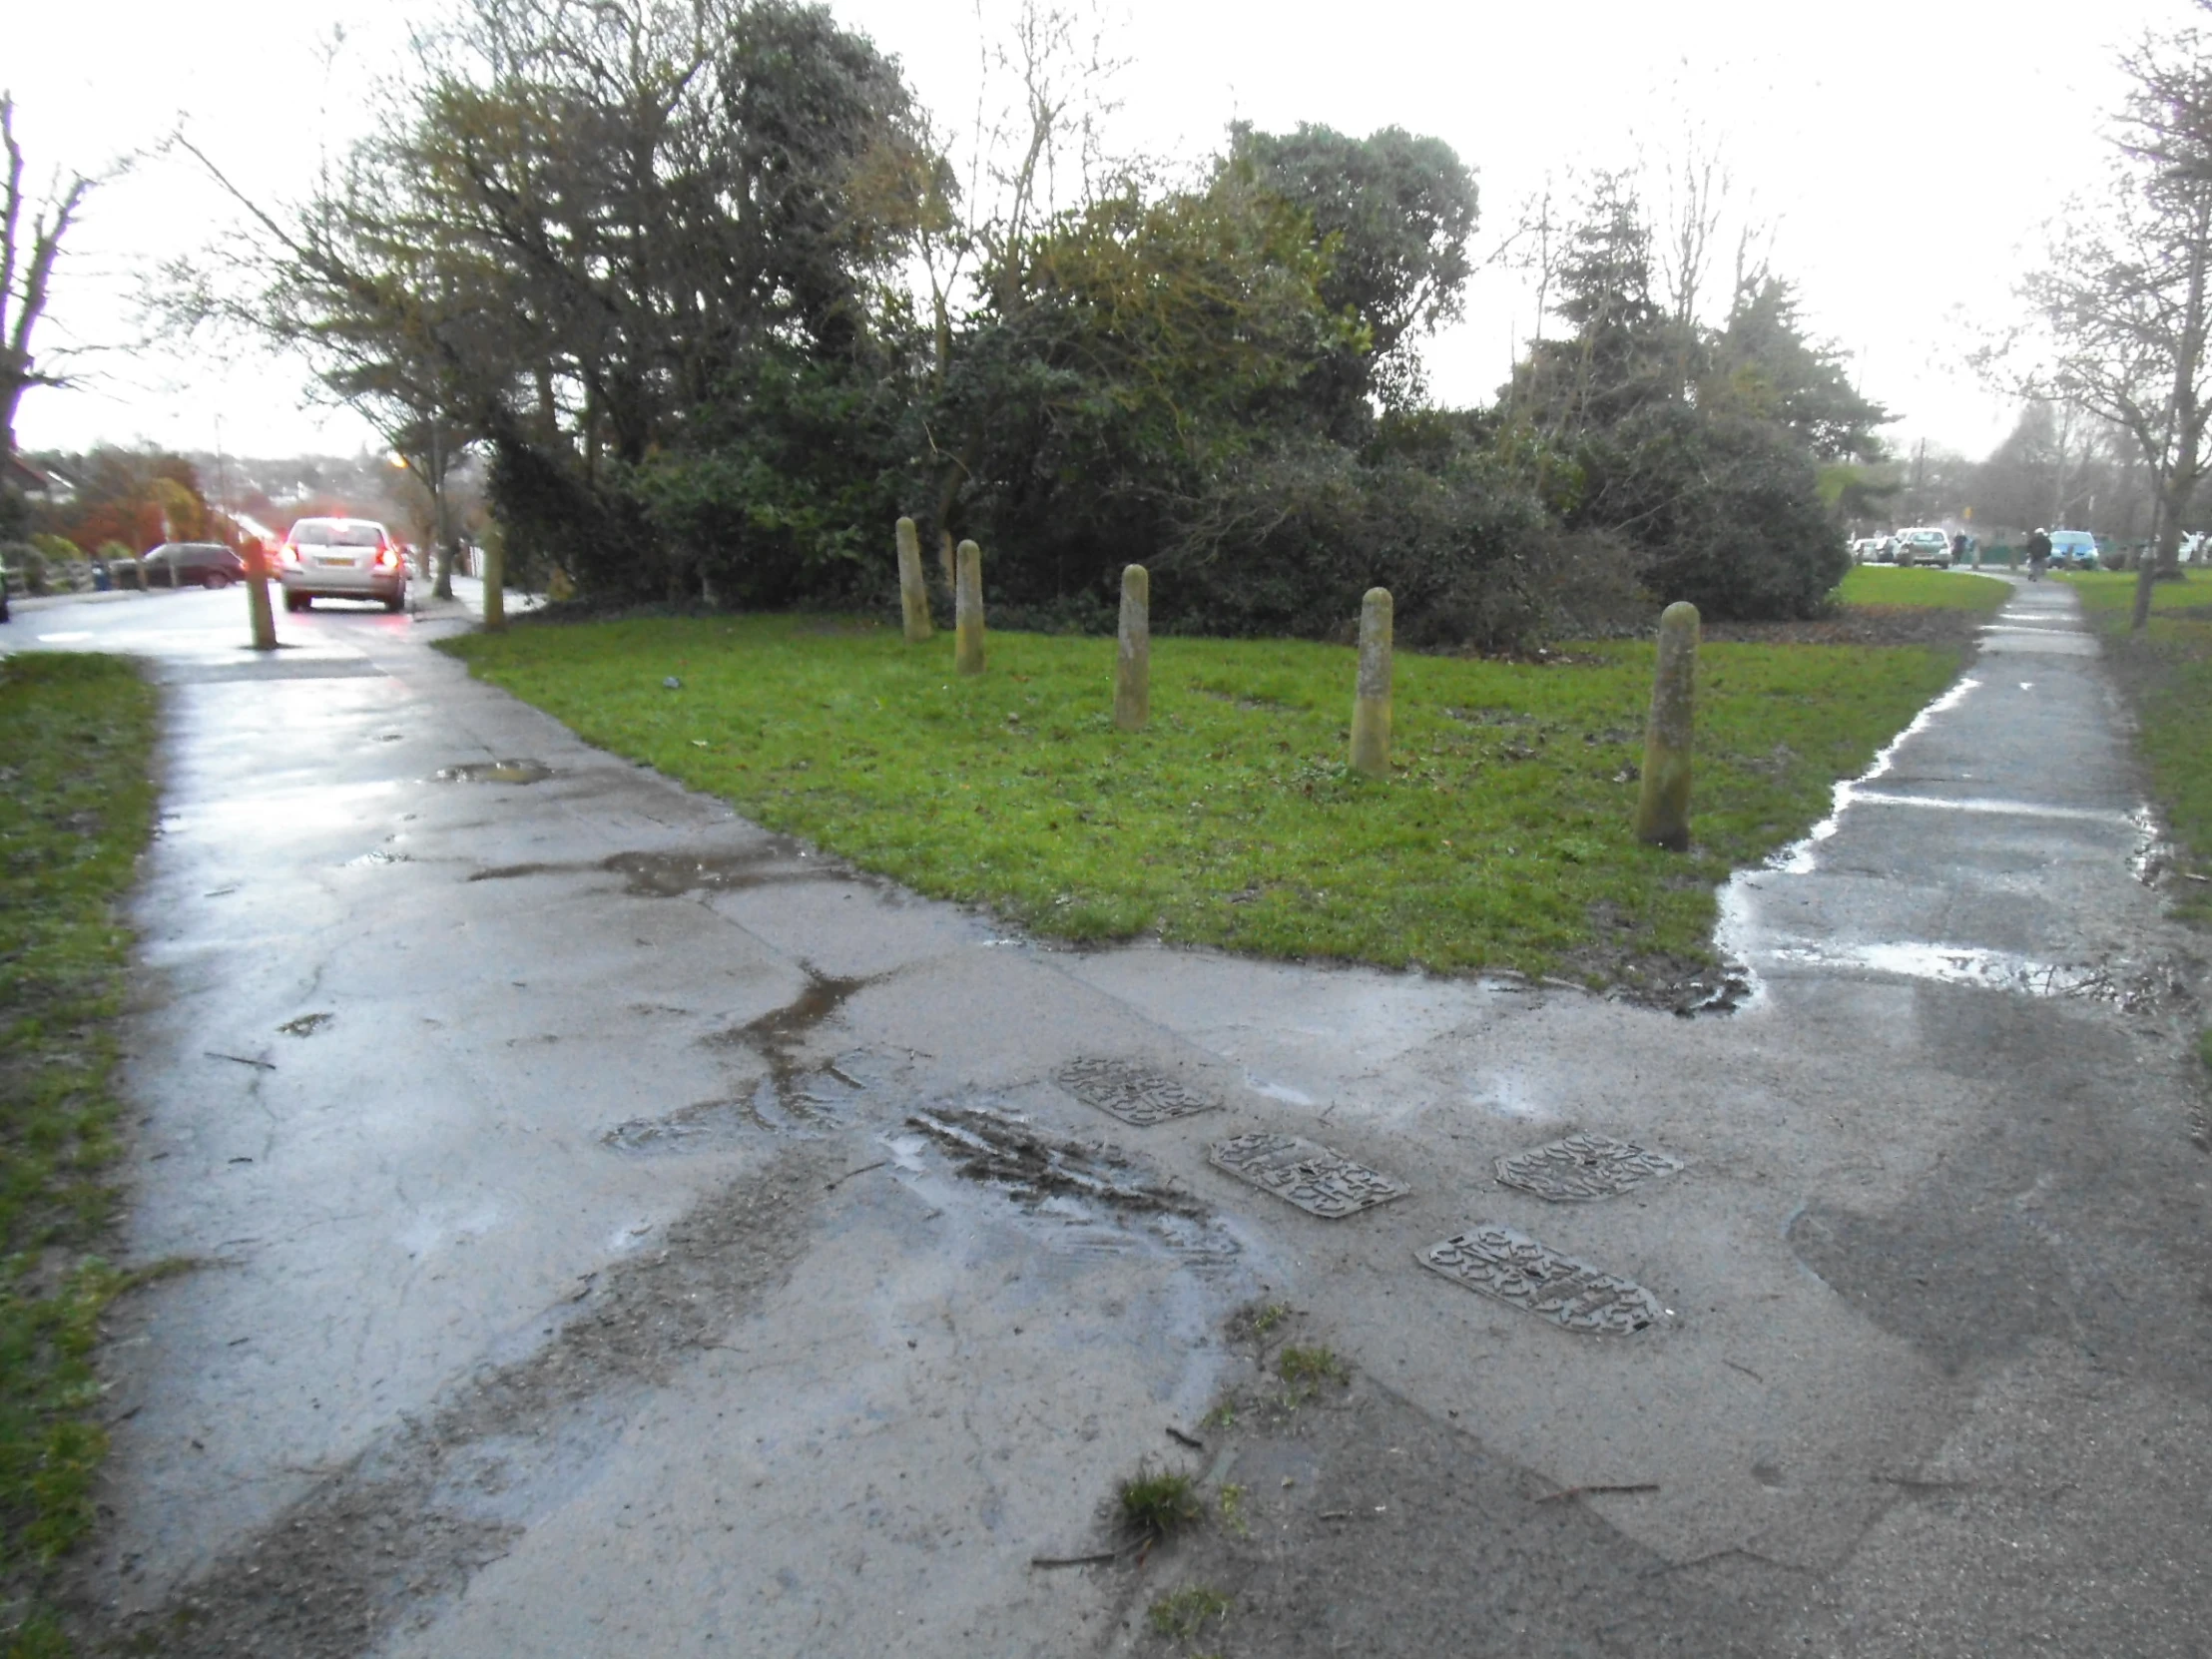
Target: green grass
{"x": 2166, "y": 673}
{"x": 1941, "y": 589}
{"x": 1185, "y": 1613}
{"x": 1500, "y": 841}
{"x": 1158, "y": 1504}
{"x": 76, "y": 806}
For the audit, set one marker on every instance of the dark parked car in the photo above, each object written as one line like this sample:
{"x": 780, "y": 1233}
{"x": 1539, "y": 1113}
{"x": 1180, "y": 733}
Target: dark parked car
{"x": 185, "y": 564}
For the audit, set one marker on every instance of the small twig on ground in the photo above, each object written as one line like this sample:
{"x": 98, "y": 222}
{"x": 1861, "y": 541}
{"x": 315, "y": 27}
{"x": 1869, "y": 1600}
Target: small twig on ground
{"x": 1180, "y": 1439}
{"x": 240, "y": 1060}
{"x": 1587, "y": 1491}
{"x": 833, "y": 1186}
{"x": 846, "y": 1079}
{"x": 1746, "y": 1369}
{"x": 1098, "y": 1560}
{"x": 1335, "y": 1514}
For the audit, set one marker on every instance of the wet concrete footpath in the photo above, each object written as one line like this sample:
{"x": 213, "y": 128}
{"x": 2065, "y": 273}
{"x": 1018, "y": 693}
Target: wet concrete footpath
{"x": 618, "y": 1230}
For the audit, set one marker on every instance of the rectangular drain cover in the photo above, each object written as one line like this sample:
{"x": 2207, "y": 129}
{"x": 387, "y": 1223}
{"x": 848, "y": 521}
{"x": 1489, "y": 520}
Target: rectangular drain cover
{"x": 1307, "y": 1174}
{"x": 1516, "y": 1269}
{"x": 1134, "y": 1094}
{"x": 1583, "y": 1167}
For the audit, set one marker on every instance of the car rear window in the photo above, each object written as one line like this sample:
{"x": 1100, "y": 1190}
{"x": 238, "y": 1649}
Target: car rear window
{"x": 326, "y": 533}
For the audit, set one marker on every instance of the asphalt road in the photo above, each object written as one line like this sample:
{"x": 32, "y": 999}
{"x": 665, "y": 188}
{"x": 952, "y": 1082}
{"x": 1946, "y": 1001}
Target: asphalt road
{"x": 593, "y": 1256}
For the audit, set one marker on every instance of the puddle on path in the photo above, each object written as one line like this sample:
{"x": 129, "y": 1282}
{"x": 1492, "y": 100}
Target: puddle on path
{"x": 2131, "y": 987}
{"x": 518, "y": 771}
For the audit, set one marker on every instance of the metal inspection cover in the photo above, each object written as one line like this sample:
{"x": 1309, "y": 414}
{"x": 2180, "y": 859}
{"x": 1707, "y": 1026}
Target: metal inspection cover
{"x": 1583, "y": 1167}
{"x": 1518, "y": 1269}
{"x": 1133, "y": 1093}
{"x": 1307, "y": 1174}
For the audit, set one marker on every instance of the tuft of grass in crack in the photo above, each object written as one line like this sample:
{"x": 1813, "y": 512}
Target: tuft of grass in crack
{"x": 76, "y": 808}
{"x": 1500, "y": 841}
{"x": 1309, "y": 1365}
{"x": 1156, "y": 1505}
{"x": 1256, "y": 1322}
{"x": 1230, "y": 1501}
{"x": 1183, "y": 1614}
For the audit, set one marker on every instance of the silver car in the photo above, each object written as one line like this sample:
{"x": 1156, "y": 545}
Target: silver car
{"x": 341, "y": 558}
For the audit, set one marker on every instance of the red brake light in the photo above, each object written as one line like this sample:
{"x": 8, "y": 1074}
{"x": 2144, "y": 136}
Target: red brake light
{"x": 289, "y": 553}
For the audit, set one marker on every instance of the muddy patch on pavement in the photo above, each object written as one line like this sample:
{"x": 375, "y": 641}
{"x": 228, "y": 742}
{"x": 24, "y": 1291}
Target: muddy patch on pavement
{"x": 381, "y": 1541}
{"x": 1031, "y": 1166}
{"x": 673, "y": 874}
{"x": 1339, "y": 1517}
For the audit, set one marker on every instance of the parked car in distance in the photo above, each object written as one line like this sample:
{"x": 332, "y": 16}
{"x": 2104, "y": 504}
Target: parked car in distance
{"x": 2074, "y": 550}
{"x": 341, "y": 558}
{"x": 1924, "y": 546}
{"x": 1867, "y": 550}
{"x": 184, "y": 564}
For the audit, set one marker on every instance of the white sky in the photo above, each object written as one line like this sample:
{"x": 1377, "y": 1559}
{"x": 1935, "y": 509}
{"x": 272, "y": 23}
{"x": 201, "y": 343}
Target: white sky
{"x": 1906, "y": 152}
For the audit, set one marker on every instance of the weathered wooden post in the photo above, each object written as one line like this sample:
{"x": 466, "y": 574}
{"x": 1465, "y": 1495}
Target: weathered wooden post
{"x": 1370, "y": 708}
{"x": 1663, "y": 802}
{"x": 495, "y": 584}
{"x": 913, "y": 591}
{"x": 967, "y": 619}
{"x": 1133, "y": 652}
{"x": 256, "y": 595}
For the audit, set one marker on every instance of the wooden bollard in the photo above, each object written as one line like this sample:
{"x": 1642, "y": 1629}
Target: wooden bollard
{"x": 258, "y": 610}
{"x": 1133, "y": 651}
{"x": 495, "y": 584}
{"x": 914, "y": 592}
{"x": 967, "y": 620}
{"x": 1370, "y": 708}
{"x": 1663, "y": 802}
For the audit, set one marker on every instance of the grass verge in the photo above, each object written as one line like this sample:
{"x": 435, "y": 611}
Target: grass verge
{"x": 1500, "y": 839}
{"x": 2166, "y": 674}
{"x": 1939, "y": 589}
{"x": 76, "y": 808}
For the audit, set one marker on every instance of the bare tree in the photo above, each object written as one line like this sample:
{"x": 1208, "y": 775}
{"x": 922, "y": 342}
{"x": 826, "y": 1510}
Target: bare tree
{"x": 2124, "y": 301}
{"x": 27, "y": 255}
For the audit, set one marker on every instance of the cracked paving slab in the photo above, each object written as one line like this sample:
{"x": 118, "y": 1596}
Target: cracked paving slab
{"x": 583, "y": 1281}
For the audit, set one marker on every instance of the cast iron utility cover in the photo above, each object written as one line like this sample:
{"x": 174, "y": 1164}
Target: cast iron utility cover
{"x": 1132, "y": 1093}
{"x": 1583, "y": 1167}
{"x": 1307, "y": 1174}
{"x": 1517, "y": 1270}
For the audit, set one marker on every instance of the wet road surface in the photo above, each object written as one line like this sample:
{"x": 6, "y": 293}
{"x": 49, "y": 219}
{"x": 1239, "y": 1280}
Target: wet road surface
{"x": 592, "y": 1259}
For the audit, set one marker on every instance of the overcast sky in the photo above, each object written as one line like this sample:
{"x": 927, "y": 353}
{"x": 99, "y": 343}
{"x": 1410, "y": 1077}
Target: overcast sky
{"x": 1905, "y": 154}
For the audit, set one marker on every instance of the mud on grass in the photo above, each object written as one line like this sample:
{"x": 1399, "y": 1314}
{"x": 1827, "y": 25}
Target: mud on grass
{"x": 1234, "y": 820}
{"x": 76, "y": 808}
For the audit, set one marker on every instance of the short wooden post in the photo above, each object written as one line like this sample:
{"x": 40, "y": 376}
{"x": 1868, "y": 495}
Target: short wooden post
{"x": 1133, "y": 652}
{"x": 1663, "y": 802}
{"x": 967, "y": 621}
{"x": 914, "y": 592}
{"x": 257, "y": 608}
{"x": 1370, "y": 708}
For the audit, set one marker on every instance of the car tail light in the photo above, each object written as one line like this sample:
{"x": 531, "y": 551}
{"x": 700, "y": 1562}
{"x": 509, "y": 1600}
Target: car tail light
{"x": 386, "y": 558}
{"x": 289, "y": 554}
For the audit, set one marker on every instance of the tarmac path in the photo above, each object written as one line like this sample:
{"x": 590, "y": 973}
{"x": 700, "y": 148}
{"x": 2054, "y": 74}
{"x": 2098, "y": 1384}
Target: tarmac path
{"x": 588, "y": 1266}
